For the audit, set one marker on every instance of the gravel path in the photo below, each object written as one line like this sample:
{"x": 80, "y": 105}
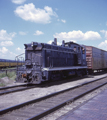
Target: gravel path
{"x": 20, "y": 97}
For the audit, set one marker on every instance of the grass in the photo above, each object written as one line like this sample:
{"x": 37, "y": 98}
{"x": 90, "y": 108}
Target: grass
{"x": 2, "y": 85}
{"x": 2, "y": 75}
{"x": 7, "y": 68}
{"x": 10, "y": 75}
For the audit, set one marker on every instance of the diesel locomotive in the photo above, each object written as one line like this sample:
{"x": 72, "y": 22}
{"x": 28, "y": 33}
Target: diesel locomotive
{"x": 52, "y": 62}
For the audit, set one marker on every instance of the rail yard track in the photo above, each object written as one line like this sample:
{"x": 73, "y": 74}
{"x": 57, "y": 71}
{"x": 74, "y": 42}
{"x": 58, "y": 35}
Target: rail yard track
{"x": 38, "y": 108}
{"x": 16, "y": 88}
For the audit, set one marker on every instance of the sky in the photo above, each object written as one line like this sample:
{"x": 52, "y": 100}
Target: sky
{"x": 26, "y": 21}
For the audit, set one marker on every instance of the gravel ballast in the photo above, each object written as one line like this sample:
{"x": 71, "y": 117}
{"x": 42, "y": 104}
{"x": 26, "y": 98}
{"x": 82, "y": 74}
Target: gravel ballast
{"x": 20, "y": 97}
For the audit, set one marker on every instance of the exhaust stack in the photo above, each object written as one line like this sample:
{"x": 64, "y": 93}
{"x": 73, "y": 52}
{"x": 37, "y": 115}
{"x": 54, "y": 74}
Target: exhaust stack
{"x": 55, "y": 41}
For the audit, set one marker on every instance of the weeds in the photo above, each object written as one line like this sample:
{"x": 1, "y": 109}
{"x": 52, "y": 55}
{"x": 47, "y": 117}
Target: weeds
{"x": 2, "y": 85}
{"x": 11, "y": 76}
{"x": 2, "y": 75}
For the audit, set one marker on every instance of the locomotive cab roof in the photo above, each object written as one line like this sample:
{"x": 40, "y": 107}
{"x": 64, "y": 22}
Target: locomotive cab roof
{"x": 72, "y": 44}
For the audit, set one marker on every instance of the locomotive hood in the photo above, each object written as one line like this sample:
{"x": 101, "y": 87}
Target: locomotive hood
{"x": 33, "y": 46}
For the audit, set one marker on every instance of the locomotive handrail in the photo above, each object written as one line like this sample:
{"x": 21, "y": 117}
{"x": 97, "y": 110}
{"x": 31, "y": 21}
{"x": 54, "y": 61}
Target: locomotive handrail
{"x": 19, "y": 55}
{"x": 16, "y": 58}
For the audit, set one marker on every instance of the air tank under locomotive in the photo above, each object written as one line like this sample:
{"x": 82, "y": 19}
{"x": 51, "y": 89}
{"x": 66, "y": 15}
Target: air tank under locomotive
{"x": 52, "y": 62}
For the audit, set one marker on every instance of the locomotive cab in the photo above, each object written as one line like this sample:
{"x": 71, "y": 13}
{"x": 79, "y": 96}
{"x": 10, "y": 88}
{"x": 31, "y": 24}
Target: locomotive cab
{"x": 80, "y": 53}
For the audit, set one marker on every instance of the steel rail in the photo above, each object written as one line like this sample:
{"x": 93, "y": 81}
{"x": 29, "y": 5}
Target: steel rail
{"x": 43, "y": 114}
{"x": 7, "y": 91}
{"x": 46, "y": 112}
{"x": 8, "y": 87}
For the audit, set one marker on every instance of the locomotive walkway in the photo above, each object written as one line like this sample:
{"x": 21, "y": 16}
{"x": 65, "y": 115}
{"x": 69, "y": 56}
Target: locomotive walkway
{"x": 95, "y": 109}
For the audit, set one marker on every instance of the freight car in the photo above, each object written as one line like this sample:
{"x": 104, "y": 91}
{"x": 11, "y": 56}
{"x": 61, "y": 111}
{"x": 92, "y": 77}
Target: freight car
{"x": 96, "y": 59}
{"x": 51, "y": 62}
{"x": 9, "y": 63}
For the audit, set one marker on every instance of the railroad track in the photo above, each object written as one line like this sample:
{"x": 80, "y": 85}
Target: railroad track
{"x": 38, "y": 108}
{"x": 16, "y": 88}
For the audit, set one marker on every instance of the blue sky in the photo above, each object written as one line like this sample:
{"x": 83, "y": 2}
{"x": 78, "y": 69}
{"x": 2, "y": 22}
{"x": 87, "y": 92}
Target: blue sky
{"x": 24, "y": 21}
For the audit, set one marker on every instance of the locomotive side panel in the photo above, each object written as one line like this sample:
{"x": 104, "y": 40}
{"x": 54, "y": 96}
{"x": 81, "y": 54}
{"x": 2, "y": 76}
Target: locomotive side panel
{"x": 59, "y": 57}
{"x": 56, "y": 57}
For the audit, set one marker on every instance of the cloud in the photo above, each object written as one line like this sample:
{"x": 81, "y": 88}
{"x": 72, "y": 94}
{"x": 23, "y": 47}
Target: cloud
{"x": 59, "y": 42}
{"x": 38, "y": 32}
{"x": 50, "y": 42}
{"x": 12, "y": 55}
{"x": 6, "y": 36}
{"x": 104, "y": 32}
{"x": 28, "y": 12}
{"x": 3, "y": 50}
{"x": 77, "y": 35}
{"x": 103, "y": 45}
{"x": 6, "y": 43}
{"x": 56, "y": 9}
{"x": 18, "y": 1}
{"x": 64, "y": 21}
{"x": 22, "y": 33}
{"x": 18, "y": 49}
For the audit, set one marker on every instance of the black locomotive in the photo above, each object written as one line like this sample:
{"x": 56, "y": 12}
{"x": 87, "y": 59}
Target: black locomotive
{"x": 52, "y": 62}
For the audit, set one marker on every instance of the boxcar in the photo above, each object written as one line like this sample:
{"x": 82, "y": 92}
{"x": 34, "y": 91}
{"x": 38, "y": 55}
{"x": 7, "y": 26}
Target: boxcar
{"x": 96, "y": 58}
